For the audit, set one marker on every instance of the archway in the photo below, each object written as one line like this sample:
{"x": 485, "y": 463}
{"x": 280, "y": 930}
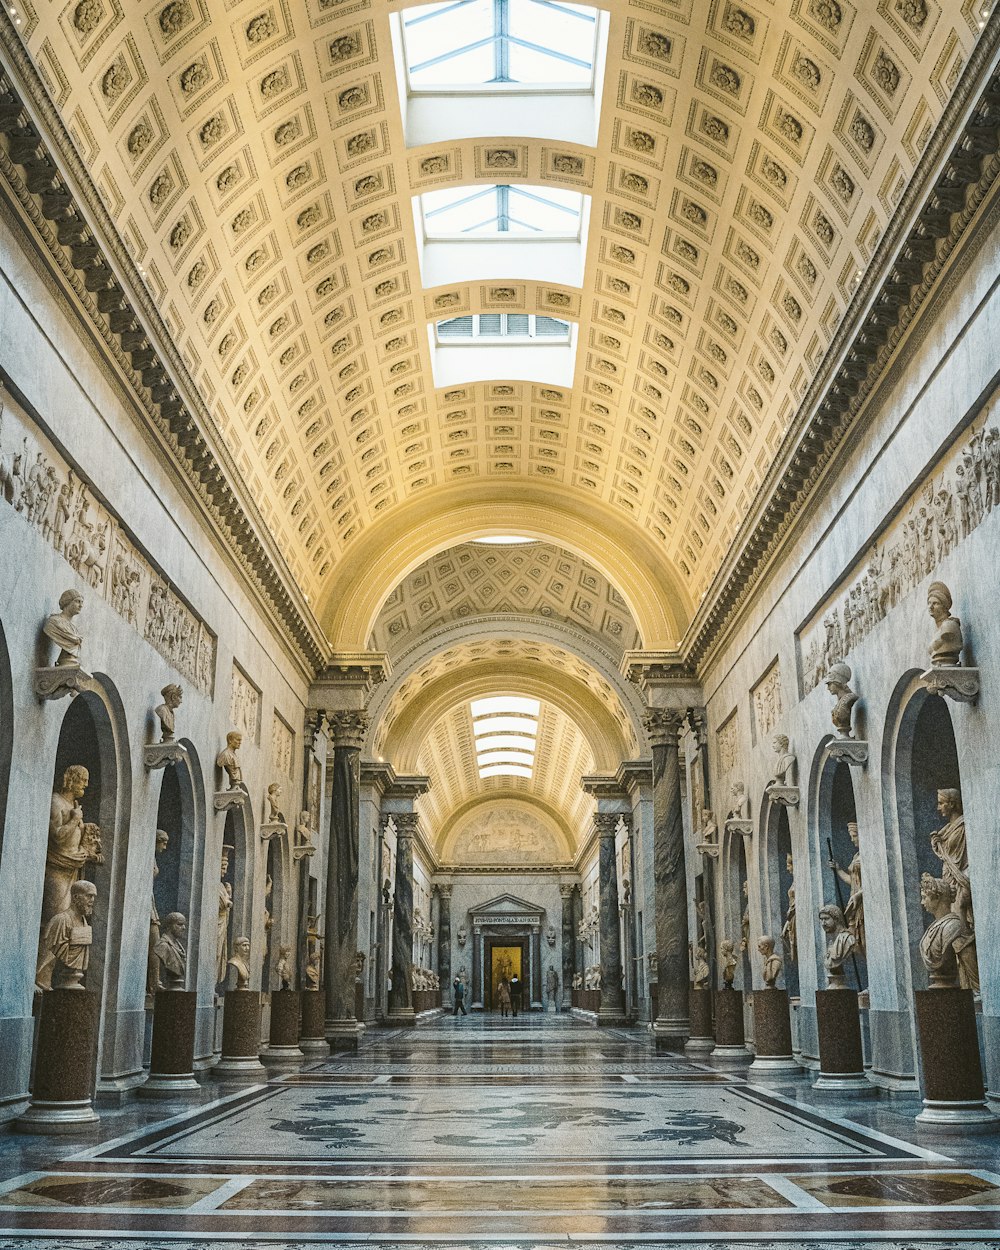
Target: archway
{"x": 179, "y": 866}
{"x": 836, "y": 817}
{"x": 236, "y": 875}
{"x": 779, "y": 915}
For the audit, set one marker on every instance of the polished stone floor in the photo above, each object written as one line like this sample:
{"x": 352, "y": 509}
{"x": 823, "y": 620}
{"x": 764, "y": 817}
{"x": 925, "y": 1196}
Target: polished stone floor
{"x": 486, "y": 1133}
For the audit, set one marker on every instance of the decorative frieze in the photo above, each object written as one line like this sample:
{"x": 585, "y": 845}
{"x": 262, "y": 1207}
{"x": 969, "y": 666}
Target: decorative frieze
{"x": 727, "y": 743}
{"x": 39, "y": 484}
{"x": 766, "y": 702}
{"x": 955, "y": 498}
{"x": 282, "y": 747}
{"x": 244, "y": 705}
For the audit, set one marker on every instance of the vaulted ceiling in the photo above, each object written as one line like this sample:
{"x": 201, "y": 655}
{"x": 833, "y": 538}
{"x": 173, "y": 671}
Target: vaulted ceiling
{"x": 747, "y": 163}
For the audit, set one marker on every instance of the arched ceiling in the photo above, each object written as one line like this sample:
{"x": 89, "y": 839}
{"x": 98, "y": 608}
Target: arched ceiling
{"x": 475, "y": 579}
{"x": 746, "y": 166}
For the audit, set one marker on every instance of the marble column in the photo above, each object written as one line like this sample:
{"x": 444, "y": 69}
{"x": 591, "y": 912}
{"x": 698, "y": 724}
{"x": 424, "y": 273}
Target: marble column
{"x": 401, "y": 995}
{"x": 568, "y": 945}
{"x": 444, "y": 942}
{"x": 612, "y": 1008}
{"x": 348, "y": 730}
{"x": 669, "y": 878}
{"x": 477, "y": 969}
{"x": 536, "y": 971}
{"x": 578, "y": 947}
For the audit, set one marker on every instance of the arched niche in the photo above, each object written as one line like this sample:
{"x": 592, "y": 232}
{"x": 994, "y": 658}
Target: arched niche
{"x": 777, "y": 874}
{"x": 180, "y": 813}
{"x": 6, "y": 733}
{"x": 237, "y": 855}
{"x": 834, "y": 809}
{"x": 279, "y": 907}
{"x": 733, "y": 904}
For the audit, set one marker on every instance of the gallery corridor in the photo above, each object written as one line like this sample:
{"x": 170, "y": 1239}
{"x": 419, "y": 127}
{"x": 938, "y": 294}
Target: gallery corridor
{"x": 537, "y": 1132}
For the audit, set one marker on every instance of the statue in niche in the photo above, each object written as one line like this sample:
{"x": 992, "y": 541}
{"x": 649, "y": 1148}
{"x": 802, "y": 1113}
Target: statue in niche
{"x": 314, "y": 964}
{"x": 840, "y": 945}
{"x": 838, "y": 682}
{"x": 463, "y": 935}
{"x": 771, "y": 962}
{"x": 304, "y": 844}
{"x": 552, "y": 985}
{"x": 740, "y": 809}
{"x": 709, "y": 829}
{"x": 152, "y": 964}
{"x": 283, "y": 968}
{"x": 577, "y": 982}
{"x": 170, "y": 952}
{"x": 784, "y": 767}
{"x": 275, "y": 816}
{"x": 700, "y": 971}
{"x": 946, "y": 948}
{"x": 173, "y": 697}
{"x": 949, "y": 845}
{"x": 228, "y": 760}
{"x": 789, "y": 933}
{"x": 550, "y": 935}
{"x": 225, "y": 907}
{"x": 946, "y": 647}
{"x": 61, "y": 629}
{"x": 239, "y": 962}
{"x": 745, "y": 920}
{"x": 727, "y": 958}
{"x": 625, "y": 895}
{"x": 854, "y": 912}
{"x": 68, "y": 938}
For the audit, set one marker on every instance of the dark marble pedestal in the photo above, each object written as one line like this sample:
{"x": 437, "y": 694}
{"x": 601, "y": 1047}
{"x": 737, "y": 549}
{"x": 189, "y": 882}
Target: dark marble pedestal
{"x": 240, "y": 1038}
{"x": 702, "y": 1039}
{"x": 312, "y": 1039}
{"x": 171, "y": 1065}
{"x": 63, "y": 1086}
{"x": 772, "y": 1036}
{"x": 841, "y": 1058}
{"x": 283, "y": 1041}
{"x": 730, "y": 1044}
{"x": 949, "y": 1063}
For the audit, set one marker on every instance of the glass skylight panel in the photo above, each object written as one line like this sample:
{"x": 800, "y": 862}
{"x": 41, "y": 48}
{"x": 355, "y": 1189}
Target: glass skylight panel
{"x": 502, "y": 327}
{"x": 504, "y": 540}
{"x": 505, "y": 757}
{"x": 485, "y": 212}
{"x": 505, "y": 742}
{"x": 470, "y": 43}
{"x": 499, "y": 751}
{"x": 504, "y": 724}
{"x": 505, "y": 703}
{"x": 505, "y": 770}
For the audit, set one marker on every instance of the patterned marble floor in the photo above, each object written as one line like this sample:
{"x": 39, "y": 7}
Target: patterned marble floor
{"x": 481, "y": 1134}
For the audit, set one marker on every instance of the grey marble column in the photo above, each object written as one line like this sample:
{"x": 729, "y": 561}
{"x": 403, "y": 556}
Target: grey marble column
{"x": 612, "y": 1008}
{"x": 477, "y": 969}
{"x": 568, "y": 945}
{"x": 342, "y": 1028}
{"x": 669, "y": 878}
{"x": 401, "y": 995}
{"x": 578, "y": 952}
{"x": 444, "y": 942}
{"x": 536, "y": 970}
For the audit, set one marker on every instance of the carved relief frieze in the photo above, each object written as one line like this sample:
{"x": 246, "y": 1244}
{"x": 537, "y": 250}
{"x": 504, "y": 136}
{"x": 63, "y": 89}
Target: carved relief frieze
{"x": 282, "y": 747}
{"x": 40, "y": 485}
{"x": 727, "y": 742}
{"x": 766, "y": 702}
{"x": 244, "y": 705}
{"x": 941, "y": 512}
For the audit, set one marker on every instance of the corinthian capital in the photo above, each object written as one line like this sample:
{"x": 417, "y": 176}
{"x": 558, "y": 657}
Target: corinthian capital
{"x": 606, "y": 823}
{"x": 663, "y": 724}
{"x": 406, "y": 824}
{"x": 348, "y": 729}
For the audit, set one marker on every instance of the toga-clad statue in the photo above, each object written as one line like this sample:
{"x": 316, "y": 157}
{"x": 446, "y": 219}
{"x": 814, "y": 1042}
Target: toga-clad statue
{"x": 61, "y": 629}
{"x": 68, "y": 938}
{"x": 948, "y": 844}
{"x": 854, "y": 911}
{"x": 171, "y": 953}
{"x": 945, "y": 948}
{"x": 840, "y": 946}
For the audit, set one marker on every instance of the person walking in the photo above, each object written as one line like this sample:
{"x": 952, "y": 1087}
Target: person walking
{"x": 515, "y": 994}
{"x": 458, "y": 997}
{"x": 503, "y": 998}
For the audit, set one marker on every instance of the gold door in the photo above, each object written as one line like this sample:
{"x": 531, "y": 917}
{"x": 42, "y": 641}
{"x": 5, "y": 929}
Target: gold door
{"x": 506, "y": 963}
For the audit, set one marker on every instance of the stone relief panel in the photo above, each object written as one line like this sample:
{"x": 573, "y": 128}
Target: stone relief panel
{"x": 39, "y": 484}
{"x": 244, "y": 705}
{"x": 766, "y": 703}
{"x": 506, "y": 834}
{"x": 282, "y": 747}
{"x": 952, "y": 501}
{"x": 727, "y": 742}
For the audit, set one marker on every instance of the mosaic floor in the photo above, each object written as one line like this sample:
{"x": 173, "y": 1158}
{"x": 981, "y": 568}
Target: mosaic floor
{"x": 475, "y": 1133}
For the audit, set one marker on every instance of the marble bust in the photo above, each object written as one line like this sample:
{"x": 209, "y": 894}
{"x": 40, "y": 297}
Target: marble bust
{"x": 740, "y": 800}
{"x": 275, "y": 816}
{"x": 283, "y": 967}
{"x": 61, "y": 629}
{"x": 771, "y": 963}
{"x": 239, "y": 961}
{"x": 784, "y": 766}
{"x": 173, "y": 696}
{"x": 304, "y": 844}
{"x": 938, "y": 944}
{"x": 727, "y": 956}
{"x": 171, "y": 952}
{"x": 68, "y": 938}
{"x": 228, "y": 760}
{"x": 838, "y": 682}
{"x": 700, "y": 971}
{"x": 840, "y": 944}
{"x": 946, "y": 646}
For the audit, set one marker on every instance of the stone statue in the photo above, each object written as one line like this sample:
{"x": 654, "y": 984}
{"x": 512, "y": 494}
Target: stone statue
{"x": 550, "y": 935}
{"x": 227, "y": 760}
{"x": 745, "y": 919}
{"x": 577, "y": 982}
{"x": 68, "y": 937}
{"x": 771, "y": 962}
{"x": 225, "y": 907}
{"x": 727, "y": 957}
{"x": 239, "y": 961}
{"x": 944, "y": 948}
{"x": 840, "y": 946}
{"x": 462, "y": 935}
{"x": 304, "y": 844}
{"x": 73, "y": 844}
{"x": 709, "y": 829}
{"x": 152, "y": 966}
{"x": 700, "y": 971}
{"x": 784, "y": 767}
{"x": 854, "y": 912}
{"x": 283, "y": 968}
{"x": 313, "y": 965}
{"x": 948, "y": 844}
{"x": 740, "y": 800}
{"x": 60, "y": 629}
{"x": 170, "y": 952}
{"x": 838, "y": 682}
{"x": 789, "y": 934}
{"x": 275, "y": 816}
{"x": 173, "y": 697}
{"x": 624, "y": 894}
{"x": 946, "y": 647}
{"x": 552, "y": 984}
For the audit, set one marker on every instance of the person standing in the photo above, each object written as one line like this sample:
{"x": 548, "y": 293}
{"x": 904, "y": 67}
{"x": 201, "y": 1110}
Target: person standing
{"x": 503, "y": 998}
{"x": 458, "y": 997}
{"x": 515, "y": 994}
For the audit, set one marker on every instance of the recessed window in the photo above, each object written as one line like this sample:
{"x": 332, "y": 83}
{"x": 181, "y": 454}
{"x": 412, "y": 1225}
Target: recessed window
{"x": 502, "y": 210}
{"x": 462, "y": 43}
{"x": 502, "y": 326}
{"x": 505, "y": 729}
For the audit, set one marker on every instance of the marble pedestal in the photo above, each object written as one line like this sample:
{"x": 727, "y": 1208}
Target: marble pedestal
{"x": 772, "y": 1035}
{"x": 841, "y": 1059}
{"x": 730, "y": 1043}
{"x": 312, "y": 1039}
{"x": 344, "y": 1036}
{"x": 283, "y": 1041}
{"x": 171, "y": 1065}
{"x": 702, "y": 1040}
{"x": 240, "y": 1038}
{"x": 954, "y": 1095}
{"x": 63, "y": 1087}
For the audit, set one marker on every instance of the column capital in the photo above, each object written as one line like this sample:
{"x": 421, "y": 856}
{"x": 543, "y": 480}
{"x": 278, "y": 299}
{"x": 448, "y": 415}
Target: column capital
{"x": 348, "y": 728}
{"x": 406, "y": 823}
{"x": 662, "y": 725}
{"x": 602, "y": 786}
{"x": 444, "y": 891}
{"x": 662, "y": 676}
{"x": 606, "y": 823}
{"x": 698, "y": 720}
{"x": 348, "y": 680}
{"x": 566, "y": 891}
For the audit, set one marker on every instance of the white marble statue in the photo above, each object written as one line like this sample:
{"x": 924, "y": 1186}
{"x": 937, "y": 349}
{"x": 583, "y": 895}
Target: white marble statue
{"x": 739, "y": 802}
{"x": 770, "y": 962}
{"x": 165, "y": 713}
{"x": 789, "y": 930}
{"x": 727, "y": 959}
{"x": 700, "y": 971}
{"x": 946, "y": 647}
{"x": 239, "y": 962}
{"x": 550, "y": 935}
{"x": 577, "y": 982}
{"x": 73, "y": 844}
{"x": 944, "y": 947}
{"x": 152, "y": 965}
{"x": 838, "y": 682}
{"x": 283, "y": 968}
{"x": 949, "y": 845}
{"x": 840, "y": 944}
{"x": 784, "y": 765}
{"x": 275, "y": 816}
{"x": 228, "y": 760}
{"x": 552, "y": 986}
{"x": 313, "y": 965}
{"x": 61, "y": 629}
{"x": 170, "y": 952}
{"x": 222, "y": 927}
{"x": 854, "y": 912}
{"x": 304, "y": 844}
{"x": 68, "y": 938}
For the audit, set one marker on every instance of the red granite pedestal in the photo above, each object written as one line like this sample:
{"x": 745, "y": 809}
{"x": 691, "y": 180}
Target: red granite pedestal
{"x": 312, "y": 1038}
{"x": 171, "y": 1065}
{"x": 283, "y": 1041}
{"x": 954, "y": 1095}
{"x": 730, "y": 1043}
{"x": 63, "y": 1086}
{"x": 240, "y": 1038}
{"x": 841, "y": 1058}
{"x": 772, "y": 1036}
{"x": 701, "y": 1040}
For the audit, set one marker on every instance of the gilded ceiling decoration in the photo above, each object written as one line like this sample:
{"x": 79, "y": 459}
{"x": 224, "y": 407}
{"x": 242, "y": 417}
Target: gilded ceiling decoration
{"x": 747, "y": 165}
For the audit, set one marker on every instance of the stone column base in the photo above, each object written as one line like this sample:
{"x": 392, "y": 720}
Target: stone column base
{"x": 343, "y": 1035}
{"x": 954, "y": 1094}
{"x": 841, "y": 1060}
{"x": 702, "y": 1039}
{"x": 407, "y": 1017}
{"x": 730, "y": 1043}
{"x": 312, "y": 1038}
{"x": 171, "y": 1066}
{"x": 63, "y": 1089}
{"x": 283, "y": 1043}
{"x": 772, "y": 1035}
{"x": 240, "y": 1038}
{"x": 669, "y": 1033}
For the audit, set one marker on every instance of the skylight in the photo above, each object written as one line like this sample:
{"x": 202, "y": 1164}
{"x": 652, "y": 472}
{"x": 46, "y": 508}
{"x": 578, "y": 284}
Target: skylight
{"x": 505, "y": 729}
{"x": 504, "y": 540}
{"x": 501, "y": 210}
{"x": 523, "y": 327}
{"x": 463, "y": 43}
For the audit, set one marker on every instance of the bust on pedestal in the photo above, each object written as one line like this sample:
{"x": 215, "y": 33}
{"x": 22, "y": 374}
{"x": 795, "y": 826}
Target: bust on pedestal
{"x": 782, "y": 788}
{"x": 65, "y": 676}
{"x": 947, "y": 676}
{"x": 171, "y": 1066}
{"x": 166, "y": 751}
{"x": 838, "y": 1021}
{"x": 771, "y": 1023}
{"x": 844, "y": 746}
